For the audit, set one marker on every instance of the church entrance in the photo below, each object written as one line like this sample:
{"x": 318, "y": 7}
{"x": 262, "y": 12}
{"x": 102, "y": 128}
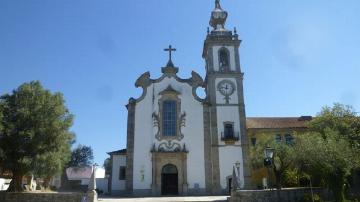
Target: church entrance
{"x": 169, "y": 180}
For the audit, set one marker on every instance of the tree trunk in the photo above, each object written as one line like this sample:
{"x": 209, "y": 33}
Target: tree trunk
{"x": 46, "y": 183}
{"x": 337, "y": 183}
{"x": 278, "y": 179}
{"x": 16, "y": 182}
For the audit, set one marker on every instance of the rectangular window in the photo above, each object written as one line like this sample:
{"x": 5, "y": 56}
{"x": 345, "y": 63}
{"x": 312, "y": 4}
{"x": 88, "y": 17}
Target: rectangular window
{"x": 122, "y": 173}
{"x": 289, "y": 139}
{"x": 169, "y": 119}
{"x": 229, "y": 130}
{"x": 277, "y": 138}
{"x": 253, "y": 141}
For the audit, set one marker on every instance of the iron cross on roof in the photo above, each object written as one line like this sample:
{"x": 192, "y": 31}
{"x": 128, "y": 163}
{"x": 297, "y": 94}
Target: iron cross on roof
{"x": 170, "y": 49}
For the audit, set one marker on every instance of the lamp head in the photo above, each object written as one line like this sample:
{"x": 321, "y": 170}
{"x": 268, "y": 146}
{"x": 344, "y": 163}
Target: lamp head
{"x": 269, "y": 152}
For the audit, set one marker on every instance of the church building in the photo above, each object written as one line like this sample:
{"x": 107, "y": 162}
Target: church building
{"x": 179, "y": 143}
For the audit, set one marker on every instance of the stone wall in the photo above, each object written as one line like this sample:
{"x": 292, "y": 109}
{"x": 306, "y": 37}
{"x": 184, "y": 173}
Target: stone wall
{"x": 286, "y": 195}
{"x": 46, "y": 197}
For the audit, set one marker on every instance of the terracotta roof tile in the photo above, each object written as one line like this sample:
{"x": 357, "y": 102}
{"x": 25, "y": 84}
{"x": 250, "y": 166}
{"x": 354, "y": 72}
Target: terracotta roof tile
{"x": 276, "y": 122}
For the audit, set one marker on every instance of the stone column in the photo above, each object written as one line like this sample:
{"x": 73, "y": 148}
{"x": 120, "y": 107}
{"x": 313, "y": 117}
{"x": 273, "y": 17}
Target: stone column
{"x": 154, "y": 184}
{"x": 244, "y": 136}
{"x": 184, "y": 168}
{"x": 207, "y": 147}
{"x": 130, "y": 145}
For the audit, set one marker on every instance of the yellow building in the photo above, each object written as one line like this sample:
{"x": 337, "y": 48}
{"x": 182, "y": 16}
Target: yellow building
{"x": 282, "y": 129}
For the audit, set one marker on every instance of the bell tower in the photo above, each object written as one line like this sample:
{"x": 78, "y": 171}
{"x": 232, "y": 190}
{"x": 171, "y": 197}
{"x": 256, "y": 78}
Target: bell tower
{"x": 225, "y": 108}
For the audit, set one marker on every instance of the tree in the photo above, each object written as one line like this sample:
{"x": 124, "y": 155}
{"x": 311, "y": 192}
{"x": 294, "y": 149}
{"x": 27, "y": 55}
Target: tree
{"x": 340, "y": 118}
{"x": 108, "y": 166}
{"x": 284, "y": 157}
{"x": 332, "y": 158}
{"x": 35, "y": 132}
{"x": 331, "y": 148}
{"x": 81, "y": 156}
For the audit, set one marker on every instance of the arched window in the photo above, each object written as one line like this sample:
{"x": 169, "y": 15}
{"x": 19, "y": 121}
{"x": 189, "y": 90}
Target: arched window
{"x": 169, "y": 117}
{"x": 224, "y": 60}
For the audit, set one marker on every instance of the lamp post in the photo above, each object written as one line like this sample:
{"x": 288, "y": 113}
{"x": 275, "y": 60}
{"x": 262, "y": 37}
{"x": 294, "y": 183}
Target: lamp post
{"x": 268, "y": 160}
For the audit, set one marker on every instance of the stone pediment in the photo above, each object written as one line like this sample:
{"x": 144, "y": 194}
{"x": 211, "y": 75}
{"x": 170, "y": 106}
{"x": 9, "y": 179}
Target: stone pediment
{"x": 144, "y": 81}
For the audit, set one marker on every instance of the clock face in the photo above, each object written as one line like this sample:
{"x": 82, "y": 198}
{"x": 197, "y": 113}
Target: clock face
{"x": 226, "y": 87}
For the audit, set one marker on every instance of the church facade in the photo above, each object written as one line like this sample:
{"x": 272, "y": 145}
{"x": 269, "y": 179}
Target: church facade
{"x": 179, "y": 143}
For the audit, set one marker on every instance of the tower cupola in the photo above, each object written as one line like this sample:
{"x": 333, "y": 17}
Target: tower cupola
{"x": 218, "y": 17}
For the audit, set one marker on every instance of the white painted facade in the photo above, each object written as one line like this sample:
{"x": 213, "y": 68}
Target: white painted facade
{"x": 201, "y": 123}
{"x": 117, "y": 185}
{"x": 145, "y": 133}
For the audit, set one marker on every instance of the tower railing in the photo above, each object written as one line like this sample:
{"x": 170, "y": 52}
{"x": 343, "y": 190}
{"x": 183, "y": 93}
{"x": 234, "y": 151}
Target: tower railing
{"x": 234, "y": 136}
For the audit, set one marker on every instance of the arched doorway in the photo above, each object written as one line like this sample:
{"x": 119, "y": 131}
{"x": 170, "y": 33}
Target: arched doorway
{"x": 169, "y": 180}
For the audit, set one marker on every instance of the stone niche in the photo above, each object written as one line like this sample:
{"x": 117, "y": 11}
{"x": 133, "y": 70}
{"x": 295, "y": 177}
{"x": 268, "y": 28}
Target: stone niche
{"x": 163, "y": 158}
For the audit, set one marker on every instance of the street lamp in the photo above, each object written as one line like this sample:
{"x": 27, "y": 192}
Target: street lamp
{"x": 268, "y": 160}
{"x": 269, "y": 152}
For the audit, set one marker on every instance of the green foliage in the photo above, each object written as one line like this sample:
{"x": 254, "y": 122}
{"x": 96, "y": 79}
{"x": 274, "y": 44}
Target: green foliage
{"x": 284, "y": 156}
{"x": 335, "y": 145}
{"x": 291, "y": 178}
{"x": 108, "y": 166}
{"x": 309, "y": 198}
{"x": 331, "y": 149}
{"x": 332, "y": 158}
{"x": 339, "y": 118}
{"x": 35, "y": 132}
{"x": 81, "y": 156}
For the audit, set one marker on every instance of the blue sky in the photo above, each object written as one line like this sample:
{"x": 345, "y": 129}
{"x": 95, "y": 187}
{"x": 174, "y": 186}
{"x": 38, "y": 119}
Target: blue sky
{"x": 297, "y": 56}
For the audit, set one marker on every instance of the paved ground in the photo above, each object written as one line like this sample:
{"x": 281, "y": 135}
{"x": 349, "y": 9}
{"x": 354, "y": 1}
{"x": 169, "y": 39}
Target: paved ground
{"x": 167, "y": 199}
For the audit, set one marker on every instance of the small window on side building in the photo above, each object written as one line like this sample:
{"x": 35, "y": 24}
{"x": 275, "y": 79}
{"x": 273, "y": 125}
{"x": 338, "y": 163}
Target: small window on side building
{"x": 289, "y": 139}
{"x": 122, "y": 173}
{"x": 278, "y": 138}
{"x": 253, "y": 141}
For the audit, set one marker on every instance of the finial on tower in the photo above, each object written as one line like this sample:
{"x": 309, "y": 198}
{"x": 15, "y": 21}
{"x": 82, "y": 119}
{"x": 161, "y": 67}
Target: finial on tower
{"x": 218, "y": 17}
{"x": 217, "y": 4}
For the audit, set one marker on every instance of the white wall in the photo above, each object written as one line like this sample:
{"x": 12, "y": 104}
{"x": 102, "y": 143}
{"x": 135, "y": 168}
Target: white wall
{"x": 228, "y": 154}
{"x": 116, "y": 184}
{"x": 145, "y": 133}
{"x": 143, "y": 142}
{"x": 4, "y": 184}
{"x": 227, "y": 157}
{"x": 216, "y": 57}
{"x": 102, "y": 184}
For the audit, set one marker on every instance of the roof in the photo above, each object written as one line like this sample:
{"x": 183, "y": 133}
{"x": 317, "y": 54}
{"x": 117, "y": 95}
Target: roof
{"x": 118, "y": 152}
{"x": 277, "y": 122}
